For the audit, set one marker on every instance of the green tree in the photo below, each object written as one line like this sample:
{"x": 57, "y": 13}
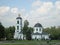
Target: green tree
{"x": 2, "y": 32}
{"x": 9, "y": 32}
{"x": 54, "y": 32}
{"x": 27, "y": 30}
{"x": 12, "y": 30}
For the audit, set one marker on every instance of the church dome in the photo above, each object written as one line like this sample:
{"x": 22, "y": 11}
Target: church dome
{"x": 37, "y": 25}
{"x": 18, "y": 18}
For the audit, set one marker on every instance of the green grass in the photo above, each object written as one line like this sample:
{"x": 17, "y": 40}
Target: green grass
{"x": 31, "y": 42}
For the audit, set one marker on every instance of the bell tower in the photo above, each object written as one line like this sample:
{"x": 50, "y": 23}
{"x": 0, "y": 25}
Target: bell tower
{"x": 18, "y": 23}
{"x": 18, "y": 27}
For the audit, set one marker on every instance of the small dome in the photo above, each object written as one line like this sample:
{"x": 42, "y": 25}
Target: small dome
{"x": 38, "y": 25}
{"x": 18, "y": 18}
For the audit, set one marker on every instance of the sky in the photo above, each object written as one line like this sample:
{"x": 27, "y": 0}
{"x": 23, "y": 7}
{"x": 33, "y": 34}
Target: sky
{"x": 45, "y": 12}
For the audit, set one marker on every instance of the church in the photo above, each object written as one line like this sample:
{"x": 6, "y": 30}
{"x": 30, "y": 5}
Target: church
{"x": 37, "y": 32}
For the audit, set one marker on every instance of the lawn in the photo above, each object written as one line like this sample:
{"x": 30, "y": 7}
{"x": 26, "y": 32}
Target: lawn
{"x": 32, "y": 42}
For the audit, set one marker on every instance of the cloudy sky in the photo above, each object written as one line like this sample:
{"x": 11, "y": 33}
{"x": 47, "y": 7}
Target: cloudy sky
{"x": 46, "y": 12}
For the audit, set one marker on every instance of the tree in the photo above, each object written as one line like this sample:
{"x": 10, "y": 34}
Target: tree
{"x": 12, "y": 30}
{"x": 2, "y": 32}
{"x": 9, "y": 32}
{"x": 54, "y": 32}
{"x": 27, "y": 30}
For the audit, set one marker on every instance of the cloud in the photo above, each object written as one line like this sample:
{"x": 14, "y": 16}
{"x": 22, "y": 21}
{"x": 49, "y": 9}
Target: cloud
{"x": 23, "y": 10}
{"x": 42, "y": 7}
{"x": 57, "y": 5}
{"x": 46, "y": 13}
{"x": 7, "y": 15}
{"x": 37, "y": 4}
{"x": 14, "y": 10}
{"x": 4, "y": 9}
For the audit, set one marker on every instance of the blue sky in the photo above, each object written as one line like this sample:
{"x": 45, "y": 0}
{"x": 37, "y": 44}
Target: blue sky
{"x": 16, "y": 3}
{"x": 46, "y": 12}
{"x": 21, "y": 3}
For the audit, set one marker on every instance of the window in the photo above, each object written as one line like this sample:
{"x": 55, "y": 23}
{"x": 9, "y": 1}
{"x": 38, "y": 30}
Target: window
{"x": 17, "y": 22}
{"x": 40, "y": 29}
{"x": 17, "y": 27}
{"x": 36, "y": 29}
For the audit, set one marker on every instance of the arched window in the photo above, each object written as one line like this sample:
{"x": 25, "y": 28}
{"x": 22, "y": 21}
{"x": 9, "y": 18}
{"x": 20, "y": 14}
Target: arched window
{"x": 36, "y": 29}
{"x": 17, "y": 27}
{"x": 17, "y": 22}
{"x": 39, "y": 29}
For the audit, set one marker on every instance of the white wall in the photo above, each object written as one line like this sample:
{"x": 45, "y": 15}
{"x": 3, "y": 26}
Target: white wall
{"x": 20, "y": 36}
{"x": 17, "y": 35}
{"x": 39, "y": 31}
{"x": 36, "y": 36}
{"x": 45, "y": 36}
{"x": 40, "y": 36}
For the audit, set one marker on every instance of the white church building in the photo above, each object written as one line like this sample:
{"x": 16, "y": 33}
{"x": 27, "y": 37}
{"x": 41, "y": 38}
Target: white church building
{"x": 37, "y": 32}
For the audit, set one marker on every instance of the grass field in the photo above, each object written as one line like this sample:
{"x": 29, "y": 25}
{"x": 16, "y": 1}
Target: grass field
{"x": 32, "y": 42}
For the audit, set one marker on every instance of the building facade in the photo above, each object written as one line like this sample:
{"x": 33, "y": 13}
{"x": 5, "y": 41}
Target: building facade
{"x": 18, "y": 32}
{"x": 37, "y": 32}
